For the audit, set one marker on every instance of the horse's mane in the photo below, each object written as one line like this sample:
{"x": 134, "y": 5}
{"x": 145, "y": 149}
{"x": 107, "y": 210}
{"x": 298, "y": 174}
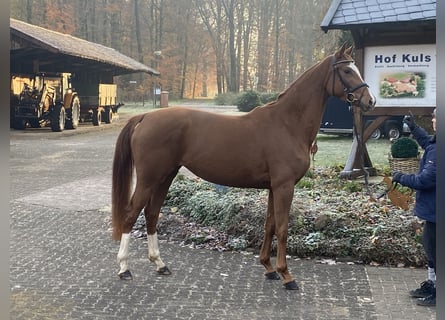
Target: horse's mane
{"x": 302, "y": 76}
{"x": 292, "y": 86}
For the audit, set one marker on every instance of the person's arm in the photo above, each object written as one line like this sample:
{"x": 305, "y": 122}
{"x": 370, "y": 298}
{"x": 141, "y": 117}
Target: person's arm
{"x": 425, "y": 179}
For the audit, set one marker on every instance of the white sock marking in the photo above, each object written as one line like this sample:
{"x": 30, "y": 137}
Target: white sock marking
{"x": 122, "y": 256}
{"x": 153, "y": 250}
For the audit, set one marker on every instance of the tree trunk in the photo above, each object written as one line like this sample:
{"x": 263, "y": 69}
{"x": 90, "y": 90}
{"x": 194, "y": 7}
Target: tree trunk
{"x": 232, "y": 83}
{"x": 263, "y": 48}
{"x": 138, "y": 31}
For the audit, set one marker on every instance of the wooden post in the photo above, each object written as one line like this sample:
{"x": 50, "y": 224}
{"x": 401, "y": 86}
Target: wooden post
{"x": 358, "y": 159}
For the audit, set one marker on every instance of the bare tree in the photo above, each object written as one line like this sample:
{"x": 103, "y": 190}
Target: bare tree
{"x": 232, "y": 79}
{"x": 199, "y": 45}
{"x": 211, "y": 15}
{"x": 263, "y": 47}
{"x": 137, "y": 27}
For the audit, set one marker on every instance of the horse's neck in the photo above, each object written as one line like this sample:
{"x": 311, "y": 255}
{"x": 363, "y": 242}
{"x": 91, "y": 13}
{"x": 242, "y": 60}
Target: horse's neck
{"x": 302, "y": 104}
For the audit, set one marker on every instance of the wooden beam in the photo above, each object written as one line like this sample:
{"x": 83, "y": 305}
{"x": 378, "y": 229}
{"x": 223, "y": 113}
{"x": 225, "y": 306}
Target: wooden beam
{"x": 359, "y": 160}
{"x": 373, "y": 126}
{"x": 401, "y": 111}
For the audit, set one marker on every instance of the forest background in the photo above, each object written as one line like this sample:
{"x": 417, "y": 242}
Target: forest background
{"x": 202, "y": 48}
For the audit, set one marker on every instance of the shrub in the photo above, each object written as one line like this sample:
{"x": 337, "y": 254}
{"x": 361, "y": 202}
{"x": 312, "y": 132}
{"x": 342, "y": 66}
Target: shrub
{"x": 329, "y": 219}
{"x": 226, "y": 99}
{"x": 267, "y": 97}
{"x": 305, "y": 183}
{"x": 248, "y": 100}
{"x": 404, "y": 148}
{"x": 353, "y": 186}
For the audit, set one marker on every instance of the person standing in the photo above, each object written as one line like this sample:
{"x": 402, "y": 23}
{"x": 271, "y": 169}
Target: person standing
{"x": 424, "y": 182}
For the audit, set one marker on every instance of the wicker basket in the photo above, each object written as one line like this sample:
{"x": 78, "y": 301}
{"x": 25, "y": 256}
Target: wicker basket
{"x": 404, "y": 165}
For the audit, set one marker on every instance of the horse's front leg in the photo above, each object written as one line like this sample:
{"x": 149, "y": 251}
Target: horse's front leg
{"x": 154, "y": 254}
{"x": 282, "y": 203}
{"x": 269, "y": 232}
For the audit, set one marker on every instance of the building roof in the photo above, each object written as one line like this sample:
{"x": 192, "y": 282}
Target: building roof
{"x": 57, "y": 50}
{"x": 348, "y": 14}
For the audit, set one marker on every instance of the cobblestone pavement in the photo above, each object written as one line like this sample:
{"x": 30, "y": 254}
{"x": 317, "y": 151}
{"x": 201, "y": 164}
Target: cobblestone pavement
{"x": 63, "y": 261}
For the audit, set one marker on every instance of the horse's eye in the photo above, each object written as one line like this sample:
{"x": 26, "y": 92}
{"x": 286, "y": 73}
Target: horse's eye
{"x": 347, "y": 71}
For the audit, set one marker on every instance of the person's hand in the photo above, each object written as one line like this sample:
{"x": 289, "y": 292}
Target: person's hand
{"x": 396, "y": 176}
{"x": 409, "y": 120}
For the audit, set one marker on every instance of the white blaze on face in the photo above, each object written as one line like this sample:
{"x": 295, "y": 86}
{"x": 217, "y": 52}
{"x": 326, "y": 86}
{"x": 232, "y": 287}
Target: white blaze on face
{"x": 153, "y": 250}
{"x": 122, "y": 255}
{"x": 357, "y": 71}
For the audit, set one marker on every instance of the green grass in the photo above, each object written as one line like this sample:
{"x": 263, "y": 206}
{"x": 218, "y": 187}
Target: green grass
{"x": 137, "y": 107}
{"x": 131, "y": 108}
{"x": 334, "y": 151}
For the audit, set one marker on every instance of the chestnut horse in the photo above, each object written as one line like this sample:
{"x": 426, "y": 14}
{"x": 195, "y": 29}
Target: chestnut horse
{"x": 267, "y": 148}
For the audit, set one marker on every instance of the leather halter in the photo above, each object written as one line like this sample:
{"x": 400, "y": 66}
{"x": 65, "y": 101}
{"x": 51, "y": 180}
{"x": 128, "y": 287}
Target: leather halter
{"x": 350, "y": 97}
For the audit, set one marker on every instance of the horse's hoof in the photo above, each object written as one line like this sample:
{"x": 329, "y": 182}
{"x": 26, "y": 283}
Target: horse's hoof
{"x": 126, "y": 275}
{"x": 272, "y": 275}
{"x": 164, "y": 271}
{"x": 291, "y": 285}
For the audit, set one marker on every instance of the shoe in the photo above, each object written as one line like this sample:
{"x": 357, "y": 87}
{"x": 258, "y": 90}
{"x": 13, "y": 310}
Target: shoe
{"x": 426, "y": 289}
{"x": 428, "y": 301}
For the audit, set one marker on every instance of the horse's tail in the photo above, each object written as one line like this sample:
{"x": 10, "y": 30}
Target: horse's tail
{"x": 122, "y": 177}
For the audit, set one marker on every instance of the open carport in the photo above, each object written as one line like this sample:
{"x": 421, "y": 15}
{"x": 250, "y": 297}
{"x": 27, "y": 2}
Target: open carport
{"x": 92, "y": 68}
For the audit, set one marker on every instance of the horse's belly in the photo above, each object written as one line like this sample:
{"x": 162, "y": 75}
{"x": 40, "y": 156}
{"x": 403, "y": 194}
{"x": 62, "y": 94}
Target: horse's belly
{"x": 232, "y": 176}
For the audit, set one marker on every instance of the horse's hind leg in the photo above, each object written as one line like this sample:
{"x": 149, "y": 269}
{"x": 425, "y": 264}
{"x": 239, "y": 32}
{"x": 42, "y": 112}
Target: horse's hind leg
{"x": 152, "y": 210}
{"x": 122, "y": 257}
{"x": 137, "y": 203}
{"x": 269, "y": 231}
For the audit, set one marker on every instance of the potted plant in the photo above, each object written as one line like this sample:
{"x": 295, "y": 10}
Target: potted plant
{"x": 404, "y": 156}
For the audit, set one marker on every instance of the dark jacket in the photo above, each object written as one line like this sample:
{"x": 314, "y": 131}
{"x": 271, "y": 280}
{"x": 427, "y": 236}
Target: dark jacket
{"x": 424, "y": 181}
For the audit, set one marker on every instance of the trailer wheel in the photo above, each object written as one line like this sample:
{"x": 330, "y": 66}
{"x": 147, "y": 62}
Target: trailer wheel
{"x": 97, "y": 117}
{"x": 376, "y": 134}
{"x": 392, "y": 130}
{"x": 108, "y": 115}
{"x": 73, "y": 114}
{"x": 58, "y": 118}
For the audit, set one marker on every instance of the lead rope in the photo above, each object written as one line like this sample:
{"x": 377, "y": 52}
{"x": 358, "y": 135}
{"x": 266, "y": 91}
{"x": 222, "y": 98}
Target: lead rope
{"x": 357, "y": 116}
{"x": 360, "y": 149}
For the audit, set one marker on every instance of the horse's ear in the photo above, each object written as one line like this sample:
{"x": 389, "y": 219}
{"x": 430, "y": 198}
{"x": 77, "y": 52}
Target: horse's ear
{"x": 349, "y": 51}
{"x": 340, "y": 51}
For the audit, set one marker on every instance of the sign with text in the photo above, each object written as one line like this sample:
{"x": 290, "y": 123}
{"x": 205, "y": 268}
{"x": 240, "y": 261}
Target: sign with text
{"x": 402, "y": 75}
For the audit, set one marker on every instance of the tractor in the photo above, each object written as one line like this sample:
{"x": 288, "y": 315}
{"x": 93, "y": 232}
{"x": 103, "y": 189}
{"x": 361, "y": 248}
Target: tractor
{"x": 44, "y": 99}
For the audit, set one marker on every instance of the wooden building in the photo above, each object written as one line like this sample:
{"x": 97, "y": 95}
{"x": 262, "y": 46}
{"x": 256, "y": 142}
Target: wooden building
{"x": 35, "y": 49}
{"x": 395, "y": 49}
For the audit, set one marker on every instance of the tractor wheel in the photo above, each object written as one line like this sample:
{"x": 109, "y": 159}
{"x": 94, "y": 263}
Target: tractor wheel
{"x": 19, "y": 124}
{"x": 97, "y": 117}
{"x": 58, "y": 118}
{"x": 73, "y": 113}
{"x": 108, "y": 115}
{"x": 34, "y": 123}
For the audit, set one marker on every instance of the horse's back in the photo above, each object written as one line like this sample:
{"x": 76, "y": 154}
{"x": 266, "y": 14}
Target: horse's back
{"x": 232, "y": 150}
{"x": 188, "y": 124}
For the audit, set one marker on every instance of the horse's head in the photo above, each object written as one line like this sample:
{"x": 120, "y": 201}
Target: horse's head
{"x": 347, "y": 82}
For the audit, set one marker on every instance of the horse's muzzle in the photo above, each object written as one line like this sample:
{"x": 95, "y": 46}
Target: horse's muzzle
{"x": 366, "y": 102}
{"x": 365, "y": 107}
